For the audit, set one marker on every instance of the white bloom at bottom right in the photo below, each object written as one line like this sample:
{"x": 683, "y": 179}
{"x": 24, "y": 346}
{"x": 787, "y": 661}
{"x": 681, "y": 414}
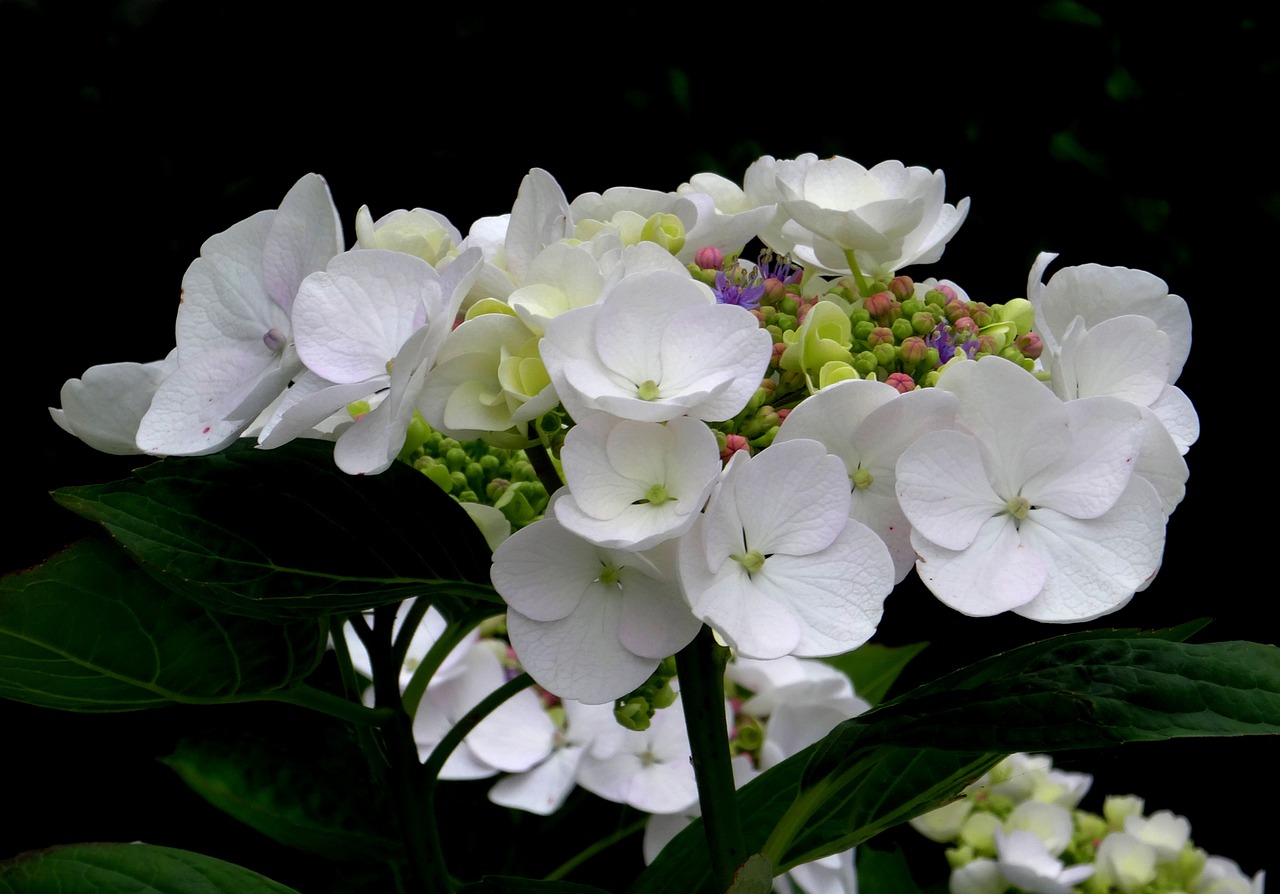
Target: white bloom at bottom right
{"x": 1031, "y": 505}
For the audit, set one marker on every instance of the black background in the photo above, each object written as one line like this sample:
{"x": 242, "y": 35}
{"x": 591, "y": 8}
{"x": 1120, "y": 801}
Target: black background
{"x": 134, "y": 130}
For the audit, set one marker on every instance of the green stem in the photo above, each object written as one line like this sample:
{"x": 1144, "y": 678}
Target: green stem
{"x": 588, "y": 852}
{"x": 700, "y": 668}
{"x": 858, "y": 278}
{"x": 422, "y": 674}
{"x": 435, "y": 763}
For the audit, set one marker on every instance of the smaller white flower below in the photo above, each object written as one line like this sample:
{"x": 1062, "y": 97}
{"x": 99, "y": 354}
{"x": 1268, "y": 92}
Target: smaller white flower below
{"x": 777, "y": 566}
{"x": 589, "y": 623}
{"x": 1028, "y": 865}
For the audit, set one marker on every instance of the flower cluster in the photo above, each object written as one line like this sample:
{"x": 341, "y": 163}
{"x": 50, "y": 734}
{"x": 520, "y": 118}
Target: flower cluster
{"x": 1019, "y": 828}
{"x": 681, "y": 436}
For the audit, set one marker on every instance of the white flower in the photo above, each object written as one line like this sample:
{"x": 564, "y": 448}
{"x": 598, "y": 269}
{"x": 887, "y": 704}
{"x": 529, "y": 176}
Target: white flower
{"x": 1126, "y": 862}
{"x": 371, "y": 321}
{"x": 513, "y": 738}
{"x": 586, "y": 622}
{"x": 869, "y": 424}
{"x": 650, "y": 770}
{"x": 634, "y": 484}
{"x": 657, "y": 347}
{"x": 890, "y": 216}
{"x": 1028, "y": 865}
{"x": 776, "y": 565}
{"x": 1035, "y": 508}
{"x": 421, "y": 233}
{"x": 542, "y": 789}
{"x": 1223, "y": 876}
{"x": 235, "y": 351}
{"x": 104, "y": 407}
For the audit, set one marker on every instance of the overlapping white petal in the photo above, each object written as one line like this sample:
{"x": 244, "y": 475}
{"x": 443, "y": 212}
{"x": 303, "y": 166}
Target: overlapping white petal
{"x": 868, "y": 424}
{"x": 234, "y": 333}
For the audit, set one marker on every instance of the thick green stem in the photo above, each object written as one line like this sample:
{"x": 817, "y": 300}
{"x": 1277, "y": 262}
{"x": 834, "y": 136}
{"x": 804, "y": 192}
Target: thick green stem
{"x": 700, "y": 667}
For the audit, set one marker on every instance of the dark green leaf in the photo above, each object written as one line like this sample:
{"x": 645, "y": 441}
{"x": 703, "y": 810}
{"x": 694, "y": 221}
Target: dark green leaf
{"x": 137, "y": 868}
{"x": 284, "y": 533}
{"x": 305, "y": 792}
{"x": 91, "y": 631}
{"x": 873, "y": 668}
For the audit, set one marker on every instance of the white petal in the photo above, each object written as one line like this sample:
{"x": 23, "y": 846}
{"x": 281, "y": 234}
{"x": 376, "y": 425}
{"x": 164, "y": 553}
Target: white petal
{"x": 995, "y": 573}
{"x": 1095, "y": 565}
{"x": 943, "y": 490}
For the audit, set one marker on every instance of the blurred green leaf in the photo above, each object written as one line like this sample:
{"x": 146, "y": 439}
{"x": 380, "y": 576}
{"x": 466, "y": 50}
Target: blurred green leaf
{"x": 91, "y": 631}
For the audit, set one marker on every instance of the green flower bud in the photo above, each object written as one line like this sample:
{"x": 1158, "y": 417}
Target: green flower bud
{"x": 835, "y": 371}
{"x": 1020, "y": 312}
{"x": 865, "y": 364}
{"x": 634, "y": 714}
{"x": 902, "y": 328}
{"x": 665, "y": 229}
{"x": 440, "y": 475}
{"x": 886, "y": 355}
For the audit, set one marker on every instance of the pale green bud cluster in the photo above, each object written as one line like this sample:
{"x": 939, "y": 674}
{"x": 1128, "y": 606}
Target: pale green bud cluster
{"x": 1130, "y": 853}
{"x": 475, "y": 472}
{"x": 635, "y": 710}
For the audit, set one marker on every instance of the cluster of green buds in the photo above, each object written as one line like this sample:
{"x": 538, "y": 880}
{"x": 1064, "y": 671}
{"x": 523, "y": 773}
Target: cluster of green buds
{"x": 903, "y": 335}
{"x": 476, "y": 472}
{"x": 635, "y": 710}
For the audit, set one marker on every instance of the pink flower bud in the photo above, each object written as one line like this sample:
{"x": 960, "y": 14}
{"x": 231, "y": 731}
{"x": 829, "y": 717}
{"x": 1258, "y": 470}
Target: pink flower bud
{"x": 902, "y": 287}
{"x": 732, "y": 444}
{"x": 902, "y": 382}
{"x": 879, "y": 305}
{"x": 1030, "y": 345}
{"x": 709, "y": 258}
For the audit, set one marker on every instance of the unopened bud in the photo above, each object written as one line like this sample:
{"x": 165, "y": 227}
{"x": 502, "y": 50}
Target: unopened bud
{"x": 879, "y": 305}
{"x": 709, "y": 258}
{"x": 901, "y": 287}
{"x": 1030, "y": 345}
{"x": 902, "y": 382}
